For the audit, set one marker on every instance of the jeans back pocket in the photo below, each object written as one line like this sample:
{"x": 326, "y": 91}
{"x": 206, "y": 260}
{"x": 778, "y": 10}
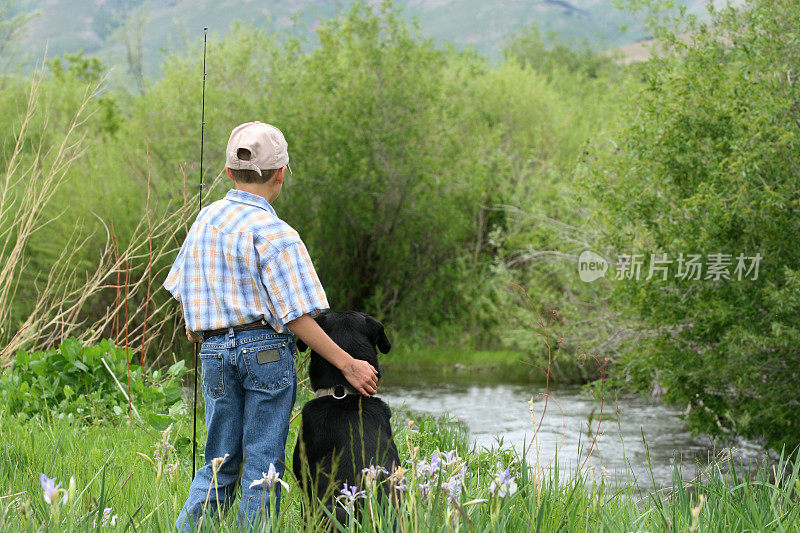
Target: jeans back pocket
{"x": 267, "y": 363}
{"x": 213, "y": 383}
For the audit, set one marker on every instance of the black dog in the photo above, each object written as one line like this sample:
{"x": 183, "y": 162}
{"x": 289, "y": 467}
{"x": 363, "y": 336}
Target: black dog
{"x": 343, "y": 432}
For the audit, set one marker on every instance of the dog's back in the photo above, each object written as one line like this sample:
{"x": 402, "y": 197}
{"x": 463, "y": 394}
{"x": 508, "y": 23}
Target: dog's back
{"x": 340, "y": 434}
{"x": 342, "y": 437}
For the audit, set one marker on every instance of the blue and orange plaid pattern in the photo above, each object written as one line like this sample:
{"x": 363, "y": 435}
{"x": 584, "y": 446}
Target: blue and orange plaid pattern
{"x": 240, "y": 263}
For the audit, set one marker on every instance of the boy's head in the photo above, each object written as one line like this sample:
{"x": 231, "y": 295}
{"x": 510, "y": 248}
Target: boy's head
{"x": 255, "y": 153}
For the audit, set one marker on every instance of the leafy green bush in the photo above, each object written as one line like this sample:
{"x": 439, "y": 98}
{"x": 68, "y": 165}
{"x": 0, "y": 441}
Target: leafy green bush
{"x": 708, "y": 166}
{"x": 72, "y": 382}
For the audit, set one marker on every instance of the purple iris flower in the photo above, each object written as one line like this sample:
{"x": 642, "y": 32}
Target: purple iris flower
{"x": 50, "y": 489}
{"x": 373, "y": 471}
{"x": 435, "y": 462}
{"x": 269, "y": 479}
{"x": 429, "y": 469}
{"x": 453, "y": 489}
{"x": 450, "y": 457}
{"x": 349, "y": 495}
{"x": 503, "y": 484}
{"x": 424, "y": 489}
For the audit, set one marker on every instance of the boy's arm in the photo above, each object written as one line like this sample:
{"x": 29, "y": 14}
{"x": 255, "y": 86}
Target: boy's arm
{"x": 295, "y": 291}
{"x": 361, "y": 375}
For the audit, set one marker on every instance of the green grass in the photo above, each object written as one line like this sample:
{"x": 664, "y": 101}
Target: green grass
{"x": 110, "y": 472}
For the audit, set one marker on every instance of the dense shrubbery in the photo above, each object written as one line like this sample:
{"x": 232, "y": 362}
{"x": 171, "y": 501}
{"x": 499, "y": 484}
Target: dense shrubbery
{"x": 709, "y": 165}
{"x": 72, "y": 382}
{"x": 410, "y": 161}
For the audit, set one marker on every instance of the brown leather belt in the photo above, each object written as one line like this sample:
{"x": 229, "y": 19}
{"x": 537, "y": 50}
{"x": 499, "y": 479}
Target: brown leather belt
{"x": 258, "y": 324}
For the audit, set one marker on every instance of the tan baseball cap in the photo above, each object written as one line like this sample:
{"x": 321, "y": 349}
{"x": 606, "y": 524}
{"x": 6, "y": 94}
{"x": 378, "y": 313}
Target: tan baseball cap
{"x": 267, "y": 146}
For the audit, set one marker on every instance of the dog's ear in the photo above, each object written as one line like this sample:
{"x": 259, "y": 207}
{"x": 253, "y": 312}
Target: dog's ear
{"x": 377, "y": 335}
{"x": 301, "y": 346}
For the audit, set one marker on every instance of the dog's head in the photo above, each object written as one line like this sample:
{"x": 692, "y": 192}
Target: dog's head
{"x": 356, "y": 333}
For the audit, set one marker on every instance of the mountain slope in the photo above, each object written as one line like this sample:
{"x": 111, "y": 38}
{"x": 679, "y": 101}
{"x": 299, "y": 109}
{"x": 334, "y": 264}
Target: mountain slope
{"x": 96, "y": 26}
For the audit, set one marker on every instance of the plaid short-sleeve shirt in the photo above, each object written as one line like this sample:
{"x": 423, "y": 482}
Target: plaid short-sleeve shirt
{"x": 240, "y": 263}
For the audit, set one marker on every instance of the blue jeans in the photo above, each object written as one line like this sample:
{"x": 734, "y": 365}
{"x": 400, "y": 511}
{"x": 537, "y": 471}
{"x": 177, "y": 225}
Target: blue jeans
{"x": 249, "y": 386}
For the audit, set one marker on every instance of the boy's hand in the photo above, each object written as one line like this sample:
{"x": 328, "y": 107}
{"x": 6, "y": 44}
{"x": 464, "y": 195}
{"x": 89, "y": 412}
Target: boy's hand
{"x": 192, "y": 336}
{"x": 362, "y": 376}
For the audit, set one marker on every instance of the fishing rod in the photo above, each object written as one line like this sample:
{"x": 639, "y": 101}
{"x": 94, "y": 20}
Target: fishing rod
{"x": 202, "y": 139}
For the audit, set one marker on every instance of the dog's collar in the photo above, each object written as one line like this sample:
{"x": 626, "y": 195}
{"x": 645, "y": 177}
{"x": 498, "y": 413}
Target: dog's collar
{"x": 337, "y": 391}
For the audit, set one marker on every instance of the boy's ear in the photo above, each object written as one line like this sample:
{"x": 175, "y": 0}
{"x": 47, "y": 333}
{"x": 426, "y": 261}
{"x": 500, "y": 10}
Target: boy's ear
{"x": 301, "y": 346}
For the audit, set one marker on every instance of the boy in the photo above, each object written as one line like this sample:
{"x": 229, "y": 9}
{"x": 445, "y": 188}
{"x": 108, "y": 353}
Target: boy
{"x": 246, "y": 284}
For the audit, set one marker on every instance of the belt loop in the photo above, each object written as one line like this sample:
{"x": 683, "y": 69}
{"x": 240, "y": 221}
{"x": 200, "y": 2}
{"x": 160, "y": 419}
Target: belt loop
{"x": 230, "y": 332}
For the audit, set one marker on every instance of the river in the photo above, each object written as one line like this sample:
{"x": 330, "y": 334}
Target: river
{"x": 631, "y": 427}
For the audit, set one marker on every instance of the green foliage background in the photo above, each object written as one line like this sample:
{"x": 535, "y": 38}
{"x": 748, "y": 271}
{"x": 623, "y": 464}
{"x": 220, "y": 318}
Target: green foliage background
{"x": 402, "y": 152}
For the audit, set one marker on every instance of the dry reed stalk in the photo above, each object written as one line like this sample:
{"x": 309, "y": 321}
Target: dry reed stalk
{"x": 26, "y": 189}
{"x": 127, "y": 345}
{"x": 57, "y": 313}
{"x": 61, "y": 307}
{"x": 546, "y": 337}
{"x": 117, "y": 292}
{"x": 538, "y": 469}
{"x": 149, "y": 293}
{"x": 596, "y": 432}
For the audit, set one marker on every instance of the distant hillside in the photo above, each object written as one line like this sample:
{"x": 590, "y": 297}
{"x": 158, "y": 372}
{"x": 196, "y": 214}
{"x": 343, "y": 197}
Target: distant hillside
{"x": 97, "y": 26}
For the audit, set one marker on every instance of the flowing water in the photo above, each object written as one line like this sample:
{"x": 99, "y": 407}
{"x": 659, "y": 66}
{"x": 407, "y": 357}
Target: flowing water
{"x": 631, "y": 427}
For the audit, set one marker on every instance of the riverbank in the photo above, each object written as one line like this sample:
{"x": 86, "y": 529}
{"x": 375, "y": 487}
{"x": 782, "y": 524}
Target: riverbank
{"x": 446, "y": 363}
{"x": 463, "y": 365}
{"x": 116, "y": 468}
